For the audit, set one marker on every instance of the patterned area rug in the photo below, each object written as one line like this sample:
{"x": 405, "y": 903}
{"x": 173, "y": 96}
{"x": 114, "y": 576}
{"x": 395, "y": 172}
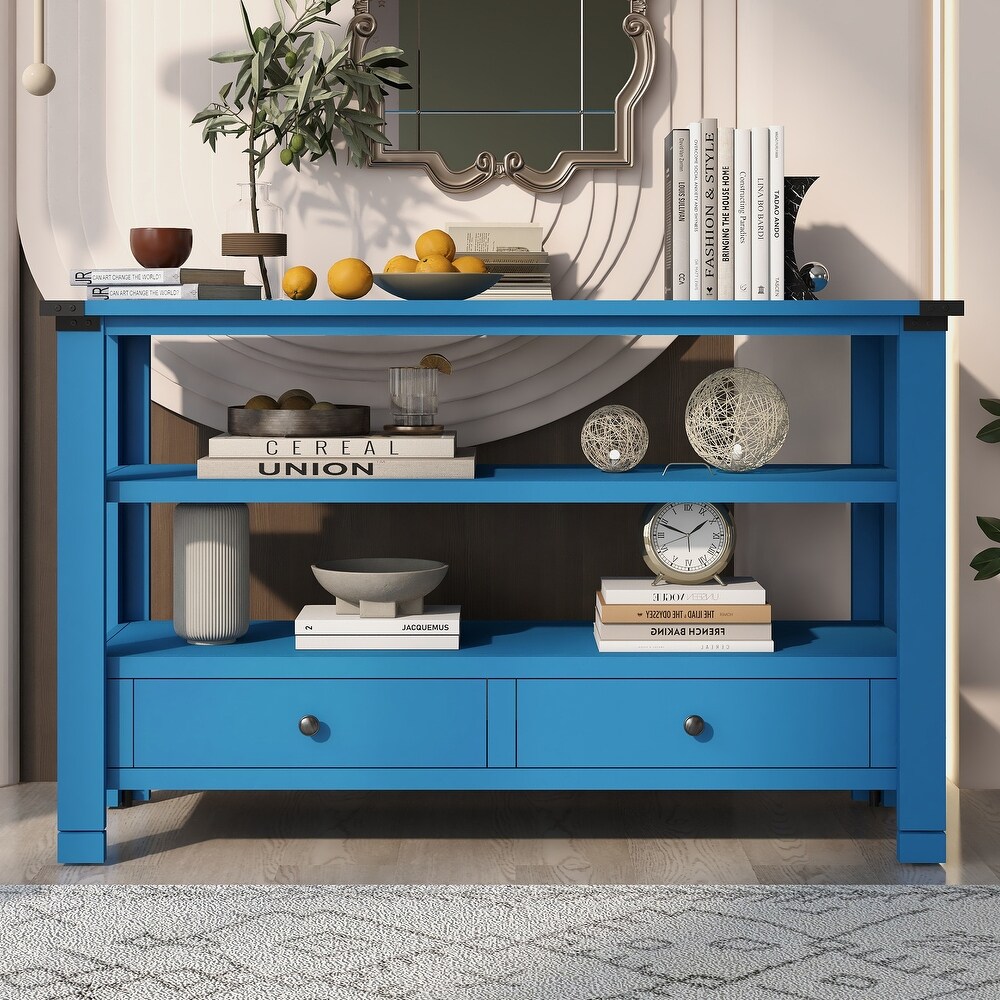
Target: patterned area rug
{"x": 498, "y": 942}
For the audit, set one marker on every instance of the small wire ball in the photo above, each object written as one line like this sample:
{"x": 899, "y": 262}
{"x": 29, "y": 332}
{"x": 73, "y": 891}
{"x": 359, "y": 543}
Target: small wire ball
{"x": 614, "y": 438}
{"x": 736, "y": 420}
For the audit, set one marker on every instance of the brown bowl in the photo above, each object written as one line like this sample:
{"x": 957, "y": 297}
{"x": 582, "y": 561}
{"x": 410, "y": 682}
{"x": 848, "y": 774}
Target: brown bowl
{"x": 342, "y": 421}
{"x": 159, "y": 246}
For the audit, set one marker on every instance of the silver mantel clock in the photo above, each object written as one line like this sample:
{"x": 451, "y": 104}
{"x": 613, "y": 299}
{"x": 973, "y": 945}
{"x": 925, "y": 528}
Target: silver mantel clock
{"x": 688, "y": 542}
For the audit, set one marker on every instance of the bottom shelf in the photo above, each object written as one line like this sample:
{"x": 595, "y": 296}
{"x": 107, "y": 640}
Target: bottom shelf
{"x": 503, "y": 649}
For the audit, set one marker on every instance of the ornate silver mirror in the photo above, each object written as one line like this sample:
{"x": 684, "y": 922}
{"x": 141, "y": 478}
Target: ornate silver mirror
{"x": 524, "y": 89}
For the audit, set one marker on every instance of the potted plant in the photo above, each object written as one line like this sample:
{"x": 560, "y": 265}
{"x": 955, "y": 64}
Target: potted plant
{"x": 298, "y": 91}
{"x": 987, "y": 563}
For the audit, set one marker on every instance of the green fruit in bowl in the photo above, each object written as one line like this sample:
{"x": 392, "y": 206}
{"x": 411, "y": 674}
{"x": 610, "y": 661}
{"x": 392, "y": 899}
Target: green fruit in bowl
{"x": 324, "y": 405}
{"x": 260, "y": 402}
{"x": 296, "y": 403}
{"x": 304, "y": 393}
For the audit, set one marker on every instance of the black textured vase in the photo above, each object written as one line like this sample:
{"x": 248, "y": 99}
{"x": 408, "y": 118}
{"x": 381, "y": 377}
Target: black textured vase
{"x": 795, "y": 190}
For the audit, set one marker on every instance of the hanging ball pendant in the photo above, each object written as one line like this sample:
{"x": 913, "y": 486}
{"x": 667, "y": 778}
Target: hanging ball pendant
{"x": 38, "y": 79}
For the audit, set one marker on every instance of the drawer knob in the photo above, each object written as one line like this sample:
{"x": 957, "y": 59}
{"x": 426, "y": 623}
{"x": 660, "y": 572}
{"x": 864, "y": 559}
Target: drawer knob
{"x": 694, "y": 725}
{"x": 308, "y": 725}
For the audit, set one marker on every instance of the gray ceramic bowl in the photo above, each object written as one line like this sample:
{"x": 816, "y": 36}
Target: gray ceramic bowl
{"x": 435, "y": 286}
{"x": 380, "y": 581}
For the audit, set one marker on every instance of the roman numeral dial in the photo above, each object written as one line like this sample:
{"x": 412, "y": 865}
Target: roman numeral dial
{"x": 688, "y": 542}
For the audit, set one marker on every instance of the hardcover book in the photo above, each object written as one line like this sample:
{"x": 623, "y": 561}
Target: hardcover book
{"x": 156, "y": 276}
{"x": 676, "y": 236}
{"x": 727, "y": 214}
{"x": 760, "y": 255}
{"x": 322, "y": 620}
{"x": 628, "y": 614}
{"x": 402, "y": 446}
{"x": 776, "y": 205}
{"x": 182, "y": 292}
{"x": 742, "y": 224}
{"x": 709, "y": 208}
{"x": 683, "y": 645}
{"x": 462, "y": 466}
{"x": 405, "y": 642}
{"x": 694, "y": 213}
{"x": 642, "y": 590}
{"x": 676, "y": 631}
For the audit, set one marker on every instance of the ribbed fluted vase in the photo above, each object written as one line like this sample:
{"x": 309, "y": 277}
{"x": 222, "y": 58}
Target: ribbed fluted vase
{"x": 211, "y": 572}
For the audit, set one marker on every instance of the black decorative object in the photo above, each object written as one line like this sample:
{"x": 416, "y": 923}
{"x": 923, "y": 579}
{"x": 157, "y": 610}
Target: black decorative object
{"x": 800, "y": 282}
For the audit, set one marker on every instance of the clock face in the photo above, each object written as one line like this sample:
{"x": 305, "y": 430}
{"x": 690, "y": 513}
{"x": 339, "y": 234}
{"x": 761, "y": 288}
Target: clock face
{"x": 688, "y": 541}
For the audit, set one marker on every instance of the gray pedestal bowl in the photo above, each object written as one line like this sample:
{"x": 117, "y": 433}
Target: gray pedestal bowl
{"x": 380, "y": 588}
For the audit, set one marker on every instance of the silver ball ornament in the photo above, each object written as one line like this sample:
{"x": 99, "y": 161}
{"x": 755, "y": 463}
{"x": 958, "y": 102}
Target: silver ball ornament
{"x": 38, "y": 79}
{"x": 815, "y": 275}
{"x": 736, "y": 420}
{"x": 614, "y": 438}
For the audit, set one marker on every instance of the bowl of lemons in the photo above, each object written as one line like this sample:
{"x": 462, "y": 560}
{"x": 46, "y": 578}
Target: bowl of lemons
{"x": 296, "y": 413}
{"x": 436, "y": 272}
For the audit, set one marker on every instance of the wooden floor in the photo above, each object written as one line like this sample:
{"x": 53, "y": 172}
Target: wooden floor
{"x": 391, "y": 838}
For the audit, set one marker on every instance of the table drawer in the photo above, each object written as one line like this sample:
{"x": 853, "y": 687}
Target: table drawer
{"x": 640, "y": 723}
{"x": 363, "y": 723}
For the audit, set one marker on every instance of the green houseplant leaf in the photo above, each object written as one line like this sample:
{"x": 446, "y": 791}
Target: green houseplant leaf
{"x": 990, "y": 527}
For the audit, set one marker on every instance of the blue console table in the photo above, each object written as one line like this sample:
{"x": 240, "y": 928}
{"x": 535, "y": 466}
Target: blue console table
{"x": 855, "y": 705}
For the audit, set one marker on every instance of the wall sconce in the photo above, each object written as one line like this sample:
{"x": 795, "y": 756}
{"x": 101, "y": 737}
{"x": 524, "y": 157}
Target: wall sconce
{"x": 38, "y": 78}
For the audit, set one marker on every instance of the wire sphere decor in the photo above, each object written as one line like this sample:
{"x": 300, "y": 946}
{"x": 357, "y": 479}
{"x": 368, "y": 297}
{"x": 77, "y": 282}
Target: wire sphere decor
{"x": 736, "y": 419}
{"x": 614, "y": 438}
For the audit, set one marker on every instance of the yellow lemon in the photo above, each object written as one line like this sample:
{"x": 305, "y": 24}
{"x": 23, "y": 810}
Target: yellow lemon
{"x": 299, "y": 282}
{"x": 260, "y": 402}
{"x": 435, "y": 264}
{"x": 350, "y": 278}
{"x": 401, "y": 264}
{"x": 470, "y": 265}
{"x": 434, "y": 241}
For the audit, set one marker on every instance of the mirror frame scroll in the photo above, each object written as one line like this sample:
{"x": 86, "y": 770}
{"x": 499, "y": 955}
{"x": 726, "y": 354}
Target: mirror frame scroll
{"x": 487, "y": 166}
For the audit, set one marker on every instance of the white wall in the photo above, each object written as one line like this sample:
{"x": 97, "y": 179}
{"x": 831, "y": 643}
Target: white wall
{"x": 9, "y": 267}
{"x": 973, "y": 264}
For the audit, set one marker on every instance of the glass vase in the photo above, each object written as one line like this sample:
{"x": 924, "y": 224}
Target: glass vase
{"x": 270, "y": 219}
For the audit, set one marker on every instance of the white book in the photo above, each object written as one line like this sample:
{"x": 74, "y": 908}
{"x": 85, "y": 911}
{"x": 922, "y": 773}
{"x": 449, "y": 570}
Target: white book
{"x": 173, "y": 292}
{"x": 156, "y": 276}
{"x": 322, "y": 619}
{"x": 463, "y": 466}
{"x": 683, "y": 646}
{"x": 776, "y": 227}
{"x": 643, "y": 590}
{"x": 498, "y": 237}
{"x": 676, "y": 234}
{"x": 727, "y": 214}
{"x": 684, "y": 631}
{"x": 743, "y": 222}
{"x": 398, "y": 642}
{"x": 709, "y": 208}
{"x": 694, "y": 213}
{"x": 760, "y": 256}
{"x": 388, "y": 446}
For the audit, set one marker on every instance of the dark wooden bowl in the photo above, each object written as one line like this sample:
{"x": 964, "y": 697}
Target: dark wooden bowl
{"x": 159, "y": 246}
{"x": 344, "y": 421}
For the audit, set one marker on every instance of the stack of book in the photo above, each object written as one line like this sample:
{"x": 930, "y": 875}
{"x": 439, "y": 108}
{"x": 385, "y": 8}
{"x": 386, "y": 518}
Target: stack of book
{"x": 636, "y": 616}
{"x": 318, "y": 626}
{"x": 164, "y": 283}
{"x": 513, "y": 250}
{"x": 724, "y": 225}
{"x": 417, "y": 456}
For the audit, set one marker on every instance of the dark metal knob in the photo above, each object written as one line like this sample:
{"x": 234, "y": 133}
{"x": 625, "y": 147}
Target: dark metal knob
{"x": 308, "y": 725}
{"x": 694, "y": 725}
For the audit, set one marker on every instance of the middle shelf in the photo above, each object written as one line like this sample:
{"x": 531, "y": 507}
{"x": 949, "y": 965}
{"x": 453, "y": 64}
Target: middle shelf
{"x": 522, "y": 484}
{"x": 494, "y": 649}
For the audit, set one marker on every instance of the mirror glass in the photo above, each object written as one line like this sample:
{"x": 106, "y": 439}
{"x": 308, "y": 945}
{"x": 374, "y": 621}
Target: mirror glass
{"x": 515, "y": 75}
